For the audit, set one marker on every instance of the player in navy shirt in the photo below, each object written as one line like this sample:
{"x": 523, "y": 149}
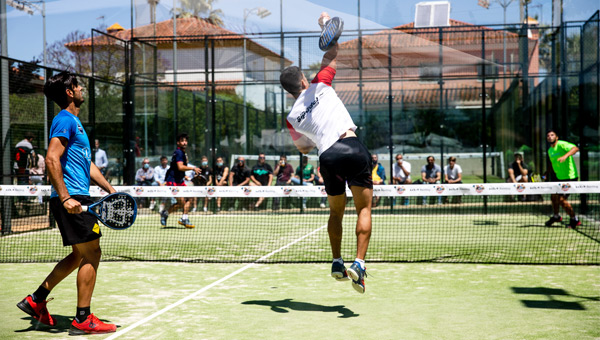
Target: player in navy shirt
{"x": 70, "y": 169}
{"x": 175, "y": 177}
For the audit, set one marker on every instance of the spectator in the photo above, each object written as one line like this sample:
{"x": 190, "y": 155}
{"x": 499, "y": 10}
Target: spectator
{"x": 431, "y": 173}
{"x": 401, "y": 173}
{"x": 453, "y": 175}
{"x": 305, "y": 175}
{"x": 239, "y": 176}
{"x": 518, "y": 170}
{"x": 452, "y": 172}
{"x": 22, "y": 151}
{"x": 221, "y": 176}
{"x": 159, "y": 178}
{"x": 37, "y": 168}
{"x": 262, "y": 174}
{"x": 145, "y": 177}
{"x": 101, "y": 158}
{"x": 284, "y": 172}
{"x": 378, "y": 175}
{"x": 320, "y": 181}
{"x": 205, "y": 178}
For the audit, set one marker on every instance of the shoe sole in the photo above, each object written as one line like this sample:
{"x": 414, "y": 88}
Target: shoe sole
{"x": 354, "y": 276}
{"x": 77, "y": 331}
{"x": 339, "y": 276}
{"x": 25, "y": 307}
{"x": 189, "y": 226}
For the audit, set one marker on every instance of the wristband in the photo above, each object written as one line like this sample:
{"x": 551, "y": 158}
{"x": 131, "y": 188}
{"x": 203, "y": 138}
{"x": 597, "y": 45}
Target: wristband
{"x": 66, "y": 199}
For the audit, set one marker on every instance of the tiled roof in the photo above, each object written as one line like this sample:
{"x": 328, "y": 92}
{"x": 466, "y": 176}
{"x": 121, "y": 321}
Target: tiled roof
{"x": 188, "y": 29}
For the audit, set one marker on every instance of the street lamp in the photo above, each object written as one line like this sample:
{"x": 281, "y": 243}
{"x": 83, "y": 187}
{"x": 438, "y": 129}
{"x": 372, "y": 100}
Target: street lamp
{"x": 262, "y": 13}
{"x": 29, "y": 7}
{"x": 504, "y": 4}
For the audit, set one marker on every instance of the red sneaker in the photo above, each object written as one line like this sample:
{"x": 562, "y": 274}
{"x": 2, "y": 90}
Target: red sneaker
{"x": 92, "y": 325}
{"x": 37, "y": 310}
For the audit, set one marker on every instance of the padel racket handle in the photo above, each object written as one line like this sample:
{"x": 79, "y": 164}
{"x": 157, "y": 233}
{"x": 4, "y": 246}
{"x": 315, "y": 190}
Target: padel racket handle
{"x": 84, "y": 208}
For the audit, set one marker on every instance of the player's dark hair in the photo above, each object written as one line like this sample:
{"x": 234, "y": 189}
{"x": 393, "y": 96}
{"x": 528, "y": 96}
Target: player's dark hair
{"x": 56, "y": 88}
{"x": 291, "y": 79}
{"x": 182, "y": 136}
{"x": 552, "y": 130}
{"x": 431, "y": 158}
{"x": 163, "y": 157}
{"x": 452, "y": 159}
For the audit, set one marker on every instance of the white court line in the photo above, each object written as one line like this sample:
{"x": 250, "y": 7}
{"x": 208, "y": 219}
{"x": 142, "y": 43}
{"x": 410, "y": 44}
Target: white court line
{"x": 204, "y": 289}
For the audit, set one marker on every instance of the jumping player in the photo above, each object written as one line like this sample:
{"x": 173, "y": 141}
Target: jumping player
{"x": 563, "y": 168}
{"x": 320, "y": 119}
{"x": 70, "y": 168}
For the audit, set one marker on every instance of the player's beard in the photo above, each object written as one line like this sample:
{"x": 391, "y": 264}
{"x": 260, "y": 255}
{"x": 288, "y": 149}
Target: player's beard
{"x": 78, "y": 101}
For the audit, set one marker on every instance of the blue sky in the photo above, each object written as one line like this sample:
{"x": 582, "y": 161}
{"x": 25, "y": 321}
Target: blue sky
{"x": 64, "y": 16}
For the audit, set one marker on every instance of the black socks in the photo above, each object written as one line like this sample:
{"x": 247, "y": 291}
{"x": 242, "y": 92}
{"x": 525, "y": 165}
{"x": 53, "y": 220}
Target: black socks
{"x": 40, "y": 295}
{"x": 82, "y": 314}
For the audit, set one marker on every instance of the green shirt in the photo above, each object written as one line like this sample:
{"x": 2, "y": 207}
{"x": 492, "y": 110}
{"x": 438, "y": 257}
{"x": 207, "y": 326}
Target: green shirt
{"x": 566, "y": 169}
{"x": 306, "y": 172}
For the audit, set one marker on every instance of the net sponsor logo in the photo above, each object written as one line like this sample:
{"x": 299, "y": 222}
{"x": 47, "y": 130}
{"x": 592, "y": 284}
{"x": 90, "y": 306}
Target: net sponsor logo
{"x": 323, "y": 192}
{"x": 498, "y": 188}
{"x": 33, "y": 189}
{"x": 210, "y": 190}
{"x": 479, "y": 188}
{"x": 439, "y": 189}
{"x": 586, "y": 186}
{"x": 138, "y": 190}
{"x": 520, "y": 187}
{"x": 418, "y": 189}
{"x": 174, "y": 191}
{"x": 246, "y": 191}
{"x": 400, "y": 190}
{"x": 287, "y": 191}
{"x": 565, "y": 187}
{"x": 102, "y": 192}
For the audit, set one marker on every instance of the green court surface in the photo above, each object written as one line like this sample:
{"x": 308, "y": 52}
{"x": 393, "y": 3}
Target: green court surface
{"x": 151, "y": 300}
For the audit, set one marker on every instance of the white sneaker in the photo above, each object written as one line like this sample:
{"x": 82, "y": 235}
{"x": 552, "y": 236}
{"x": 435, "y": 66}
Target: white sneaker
{"x": 304, "y": 206}
{"x": 322, "y": 205}
{"x": 194, "y": 210}
{"x": 205, "y": 209}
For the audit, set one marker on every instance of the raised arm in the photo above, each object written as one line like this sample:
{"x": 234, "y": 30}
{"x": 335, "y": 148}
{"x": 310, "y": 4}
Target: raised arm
{"x": 329, "y": 59}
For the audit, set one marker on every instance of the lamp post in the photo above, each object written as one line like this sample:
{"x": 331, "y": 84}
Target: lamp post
{"x": 504, "y": 4}
{"x": 262, "y": 13}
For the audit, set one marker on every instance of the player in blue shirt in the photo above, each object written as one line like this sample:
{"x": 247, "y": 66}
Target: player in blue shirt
{"x": 70, "y": 169}
{"x": 175, "y": 177}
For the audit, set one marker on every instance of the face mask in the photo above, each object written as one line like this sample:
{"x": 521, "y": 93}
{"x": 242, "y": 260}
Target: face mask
{"x": 204, "y": 163}
{"x": 146, "y": 166}
{"x": 374, "y": 162}
{"x": 220, "y": 164}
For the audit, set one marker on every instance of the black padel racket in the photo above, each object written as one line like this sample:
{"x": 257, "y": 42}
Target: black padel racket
{"x": 331, "y": 32}
{"x": 116, "y": 211}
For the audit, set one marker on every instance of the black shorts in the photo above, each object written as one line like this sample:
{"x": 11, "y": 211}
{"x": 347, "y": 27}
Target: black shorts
{"x": 348, "y": 160}
{"x": 554, "y": 179}
{"x": 75, "y": 228}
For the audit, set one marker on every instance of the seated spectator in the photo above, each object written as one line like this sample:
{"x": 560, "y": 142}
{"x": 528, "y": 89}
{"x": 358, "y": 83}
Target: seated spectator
{"x": 319, "y": 181}
{"x": 37, "y": 170}
{"x": 452, "y": 172}
{"x": 145, "y": 177}
{"x": 401, "y": 173}
{"x": 305, "y": 175}
{"x": 221, "y": 175}
{"x": 284, "y": 172}
{"x": 239, "y": 176}
{"x": 262, "y": 174}
{"x": 518, "y": 170}
{"x": 101, "y": 160}
{"x": 453, "y": 175}
{"x": 431, "y": 173}
{"x": 159, "y": 178}
{"x": 378, "y": 176}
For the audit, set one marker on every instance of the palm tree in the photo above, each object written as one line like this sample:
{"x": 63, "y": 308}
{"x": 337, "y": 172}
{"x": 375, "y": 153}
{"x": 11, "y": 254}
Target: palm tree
{"x": 201, "y": 9}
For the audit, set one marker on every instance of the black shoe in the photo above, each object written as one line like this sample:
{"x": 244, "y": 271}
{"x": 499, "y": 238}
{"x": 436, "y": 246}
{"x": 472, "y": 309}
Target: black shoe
{"x": 552, "y": 220}
{"x": 574, "y": 223}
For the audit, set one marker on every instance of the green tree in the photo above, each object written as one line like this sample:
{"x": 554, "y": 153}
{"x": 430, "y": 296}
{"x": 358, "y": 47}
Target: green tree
{"x": 201, "y": 9}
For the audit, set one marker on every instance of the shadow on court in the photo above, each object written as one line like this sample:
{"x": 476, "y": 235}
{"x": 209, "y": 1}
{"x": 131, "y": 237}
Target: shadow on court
{"x": 283, "y": 306}
{"x": 548, "y": 298}
{"x": 63, "y": 323}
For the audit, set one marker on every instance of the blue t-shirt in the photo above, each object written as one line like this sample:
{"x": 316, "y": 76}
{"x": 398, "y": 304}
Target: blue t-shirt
{"x": 77, "y": 158}
{"x": 173, "y": 174}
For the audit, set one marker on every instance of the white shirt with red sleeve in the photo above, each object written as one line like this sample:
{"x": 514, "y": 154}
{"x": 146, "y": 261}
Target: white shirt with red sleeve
{"x": 319, "y": 114}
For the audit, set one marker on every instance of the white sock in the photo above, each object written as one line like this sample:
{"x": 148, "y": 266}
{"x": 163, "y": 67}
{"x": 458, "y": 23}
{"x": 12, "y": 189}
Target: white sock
{"x": 184, "y": 216}
{"x": 339, "y": 259}
{"x": 361, "y": 262}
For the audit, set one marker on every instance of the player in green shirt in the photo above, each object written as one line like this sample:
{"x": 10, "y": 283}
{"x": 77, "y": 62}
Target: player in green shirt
{"x": 563, "y": 168}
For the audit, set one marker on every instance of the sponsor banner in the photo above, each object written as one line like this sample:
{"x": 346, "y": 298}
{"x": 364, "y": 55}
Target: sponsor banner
{"x": 319, "y": 191}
